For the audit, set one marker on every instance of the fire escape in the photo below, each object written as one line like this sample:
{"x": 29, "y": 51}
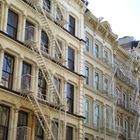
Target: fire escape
{"x": 53, "y": 99}
{"x": 124, "y": 73}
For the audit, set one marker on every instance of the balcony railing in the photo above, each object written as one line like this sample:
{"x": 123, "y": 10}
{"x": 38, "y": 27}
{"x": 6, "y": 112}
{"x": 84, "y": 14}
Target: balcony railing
{"x": 135, "y": 108}
{"x": 51, "y": 99}
{"x": 127, "y": 78}
{"x": 23, "y": 133}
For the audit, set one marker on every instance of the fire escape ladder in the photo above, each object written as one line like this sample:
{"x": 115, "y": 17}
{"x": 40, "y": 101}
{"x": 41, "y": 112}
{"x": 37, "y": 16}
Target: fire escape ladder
{"x": 40, "y": 116}
{"x": 49, "y": 77}
{"x": 46, "y": 26}
{"x": 60, "y": 18}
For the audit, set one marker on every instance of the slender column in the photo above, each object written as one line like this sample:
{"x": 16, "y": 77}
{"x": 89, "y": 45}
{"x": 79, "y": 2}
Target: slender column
{"x": 1, "y": 15}
{"x": 1, "y": 64}
{"x": 15, "y": 121}
{"x": 5, "y": 19}
{"x": 23, "y": 28}
{"x": 19, "y": 33}
{"x": 33, "y": 79}
{"x": 39, "y": 38}
{"x": 36, "y": 80}
{"x": 20, "y": 73}
{"x": 15, "y": 75}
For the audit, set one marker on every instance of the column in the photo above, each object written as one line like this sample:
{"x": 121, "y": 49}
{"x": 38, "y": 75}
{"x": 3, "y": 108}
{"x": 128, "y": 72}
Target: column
{"x": 15, "y": 122}
{"x": 5, "y": 19}
{"x": 20, "y": 73}
{"x": 23, "y": 28}
{"x": 1, "y": 64}
{"x": 81, "y": 57}
{"x": 16, "y": 70}
{"x": 19, "y": 32}
{"x": 33, "y": 79}
{"x": 1, "y": 15}
{"x": 66, "y": 54}
{"x": 39, "y": 37}
{"x": 36, "y": 80}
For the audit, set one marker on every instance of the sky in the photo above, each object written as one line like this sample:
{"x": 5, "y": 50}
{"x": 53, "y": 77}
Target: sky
{"x": 123, "y": 15}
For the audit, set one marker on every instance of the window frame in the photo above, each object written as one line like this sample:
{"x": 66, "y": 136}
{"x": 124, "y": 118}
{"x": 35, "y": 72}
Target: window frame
{"x": 86, "y": 110}
{"x": 39, "y": 135}
{"x": 71, "y": 58}
{"x": 97, "y": 81}
{"x": 42, "y": 85}
{"x": 5, "y": 127}
{"x": 72, "y": 26}
{"x": 9, "y": 25}
{"x": 69, "y": 131}
{"x": 44, "y": 41}
{"x": 29, "y": 34}
{"x": 70, "y": 97}
{"x": 11, "y": 72}
{"x": 87, "y": 74}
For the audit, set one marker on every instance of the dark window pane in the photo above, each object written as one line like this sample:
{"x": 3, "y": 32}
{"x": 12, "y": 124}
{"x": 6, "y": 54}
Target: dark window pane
{"x": 71, "y": 57}
{"x": 42, "y": 86}
{"x": 7, "y": 72}
{"x": 72, "y": 25}
{"x": 4, "y": 122}
{"x": 70, "y": 97}
{"x": 22, "y": 118}
{"x": 44, "y": 42}
{"x": 69, "y": 133}
{"x": 12, "y": 24}
{"x": 47, "y": 5}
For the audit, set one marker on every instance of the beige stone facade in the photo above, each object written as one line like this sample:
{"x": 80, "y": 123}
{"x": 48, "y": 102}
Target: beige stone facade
{"x": 58, "y": 74}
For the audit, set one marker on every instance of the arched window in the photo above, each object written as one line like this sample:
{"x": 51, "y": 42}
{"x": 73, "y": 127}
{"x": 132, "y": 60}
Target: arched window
{"x": 44, "y": 42}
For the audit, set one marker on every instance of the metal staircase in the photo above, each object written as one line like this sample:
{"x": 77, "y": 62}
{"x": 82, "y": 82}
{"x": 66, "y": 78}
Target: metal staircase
{"x": 54, "y": 99}
{"x": 40, "y": 116}
{"x": 42, "y": 13}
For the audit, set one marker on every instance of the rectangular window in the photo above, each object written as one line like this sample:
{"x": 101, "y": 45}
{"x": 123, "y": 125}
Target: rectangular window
{"x": 42, "y": 86}
{"x": 55, "y": 129}
{"x": 87, "y": 45}
{"x": 107, "y": 115}
{"x": 69, "y": 133}
{"x": 39, "y": 132}
{"x": 86, "y": 75}
{"x": 96, "y": 50}
{"x": 57, "y": 82}
{"x": 96, "y": 81}
{"x": 72, "y": 25}
{"x": 106, "y": 85}
{"x": 29, "y": 31}
{"x": 7, "y": 71}
{"x": 106, "y": 57}
{"x": 22, "y": 129}
{"x": 44, "y": 42}
{"x": 12, "y": 24}
{"x": 96, "y": 115}
{"x": 70, "y": 97}
{"x": 86, "y": 111}
{"x": 71, "y": 58}
{"x": 4, "y": 122}
{"x": 26, "y": 76}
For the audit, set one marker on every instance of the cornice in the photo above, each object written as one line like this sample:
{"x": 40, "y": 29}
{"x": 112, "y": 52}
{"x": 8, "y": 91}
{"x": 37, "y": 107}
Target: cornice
{"x": 99, "y": 26}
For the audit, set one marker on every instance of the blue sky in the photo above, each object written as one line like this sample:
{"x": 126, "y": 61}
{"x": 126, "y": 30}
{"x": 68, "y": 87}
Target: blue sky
{"x": 123, "y": 15}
